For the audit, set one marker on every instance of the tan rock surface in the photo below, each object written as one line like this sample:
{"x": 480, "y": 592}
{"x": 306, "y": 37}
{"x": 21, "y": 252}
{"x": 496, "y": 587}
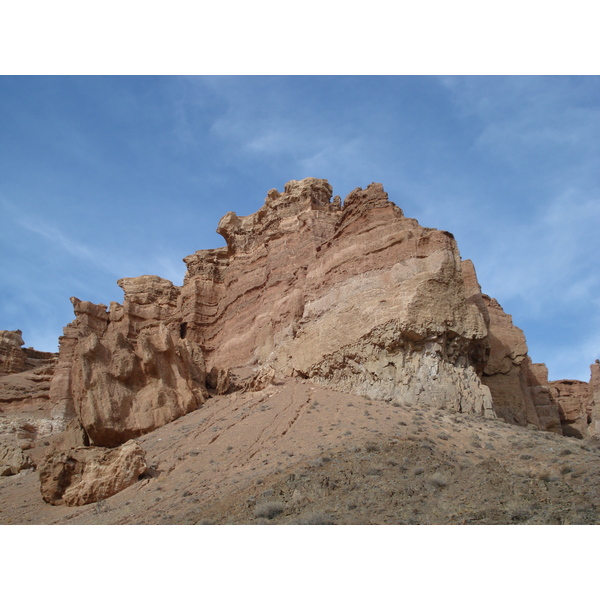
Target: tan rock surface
{"x": 519, "y": 388}
{"x": 13, "y": 460}
{"x": 355, "y": 296}
{"x": 85, "y": 475}
{"x": 128, "y": 371}
{"x": 12, "y": 357}
{"x": 27, "y": 415}
{"x": 594, "y": 389}
{"x": 574, "y": 402}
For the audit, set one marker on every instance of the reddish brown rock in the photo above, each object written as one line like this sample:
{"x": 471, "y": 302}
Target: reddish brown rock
{"x": 12, "y": 357}
{"x": 129, "y": 370}
{"x": 594, "y": 390}
{"x": 519, "y": 388}
{"x": 574, "y": 402}
{"x": 357, "y": 297}
{"x": 85, "y": 475}
{"x": 27, "y": 416}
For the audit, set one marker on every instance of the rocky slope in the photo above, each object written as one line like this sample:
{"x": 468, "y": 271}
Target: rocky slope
{"x": 349, "y": 297}
{"x": 297, "y": 452}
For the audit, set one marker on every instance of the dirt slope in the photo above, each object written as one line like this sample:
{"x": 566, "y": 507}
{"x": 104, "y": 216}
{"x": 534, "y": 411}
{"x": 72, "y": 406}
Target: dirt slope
{"x": 299, "y": 453}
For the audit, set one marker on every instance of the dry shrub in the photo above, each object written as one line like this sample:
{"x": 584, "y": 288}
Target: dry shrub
{"x": 268, "y": 510}
{"x": 439, "y": 480}
{"x": 315, "y": 519}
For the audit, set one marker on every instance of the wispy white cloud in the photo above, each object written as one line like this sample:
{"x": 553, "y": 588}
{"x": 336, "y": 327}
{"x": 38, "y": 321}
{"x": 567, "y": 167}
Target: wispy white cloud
{"x": 56, "y": 237}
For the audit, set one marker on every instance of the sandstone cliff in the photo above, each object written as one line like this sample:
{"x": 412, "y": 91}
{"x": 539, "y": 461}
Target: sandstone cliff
{"x": 355, "y": 296}
{"x": 351, "y": 295}
{"x": 519, "y": 388}
{"x": 309, "y": 291}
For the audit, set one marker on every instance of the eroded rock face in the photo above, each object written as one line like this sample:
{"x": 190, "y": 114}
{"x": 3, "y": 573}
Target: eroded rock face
{"x": 84, "y": 475}
{"x": 356, "y": 297}
{"x": 594, "y": 391}
{"x": 519, "y": 388}
{"x": 13, "y": 460}
{"x": 352, "y": 295}
{"x": 27, "y": 415}
{"x": 575, "y": 408}
{"x": 129, "y": 370}
{"x": 12, "y": 357}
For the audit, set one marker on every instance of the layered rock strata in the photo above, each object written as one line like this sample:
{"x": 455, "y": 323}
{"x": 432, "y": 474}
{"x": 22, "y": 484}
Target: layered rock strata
{"x": 594, "y": 391}
{"x": 27, "y": 415}
{"x": 355, "y": 296}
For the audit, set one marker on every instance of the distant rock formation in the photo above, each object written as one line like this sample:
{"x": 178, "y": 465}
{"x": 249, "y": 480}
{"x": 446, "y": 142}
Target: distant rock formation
{"x": 27, "y": 414}
{"x": 594, "y": 391}
{"x": 12, "y": 356}
{"x": 575, "y": 406}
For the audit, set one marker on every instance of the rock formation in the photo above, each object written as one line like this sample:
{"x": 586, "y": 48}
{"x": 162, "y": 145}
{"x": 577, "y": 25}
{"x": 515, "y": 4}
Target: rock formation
{"x": 12, "y": 357}
{"x": 352, "y": 295}
{"x": 519, "y": 388}
{"x": 575, "y": 406}
{"x": 85, "y": 475}
{"x": 13, "y": 459}
{"x": 129, "y": 370}
{"x": 594, "y": 391}
{"x": 26, "y": 413}
{"x": 355, "y": 296}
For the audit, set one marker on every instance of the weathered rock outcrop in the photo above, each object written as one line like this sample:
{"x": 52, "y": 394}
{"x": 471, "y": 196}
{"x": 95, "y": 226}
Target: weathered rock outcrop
{"x": 519, "y": 388}
{"x": 355, "y": 296}
{"x": 85, "y": 475}
{"x": 352, "y": 295}
{"x": 13, "y": 460}
{"x": 12, "y": 357}
{"x": 129, "y": 370}
{"x": 574, "y": 402}
{"x": 594, "y": 391}
{"x": 27, "y": 415}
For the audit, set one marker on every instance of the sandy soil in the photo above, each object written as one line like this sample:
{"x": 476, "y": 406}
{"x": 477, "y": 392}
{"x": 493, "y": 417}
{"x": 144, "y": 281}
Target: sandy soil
{"x": 297, "y": 453}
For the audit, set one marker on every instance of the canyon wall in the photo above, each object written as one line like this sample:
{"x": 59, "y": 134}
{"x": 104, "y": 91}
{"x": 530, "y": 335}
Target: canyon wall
{"x": 351, "y": 295}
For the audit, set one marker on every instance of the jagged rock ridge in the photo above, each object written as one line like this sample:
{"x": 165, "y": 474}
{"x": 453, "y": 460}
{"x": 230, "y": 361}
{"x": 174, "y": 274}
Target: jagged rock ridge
{"x": 352, "y": 295}
{"x": 355, "y": 295}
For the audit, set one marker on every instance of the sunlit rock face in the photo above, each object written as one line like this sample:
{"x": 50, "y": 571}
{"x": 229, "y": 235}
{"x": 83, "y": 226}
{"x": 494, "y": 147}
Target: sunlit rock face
{"x": 351, "y": 294}
{"x": 128, "y": 370}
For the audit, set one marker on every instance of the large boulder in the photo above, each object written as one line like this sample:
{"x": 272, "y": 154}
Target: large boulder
{"x": 85, "y": 475}
{"x": 13, "y": 460}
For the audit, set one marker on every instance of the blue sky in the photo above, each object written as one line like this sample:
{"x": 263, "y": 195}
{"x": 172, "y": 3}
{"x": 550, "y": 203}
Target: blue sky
{"x": 110, "y": 177}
